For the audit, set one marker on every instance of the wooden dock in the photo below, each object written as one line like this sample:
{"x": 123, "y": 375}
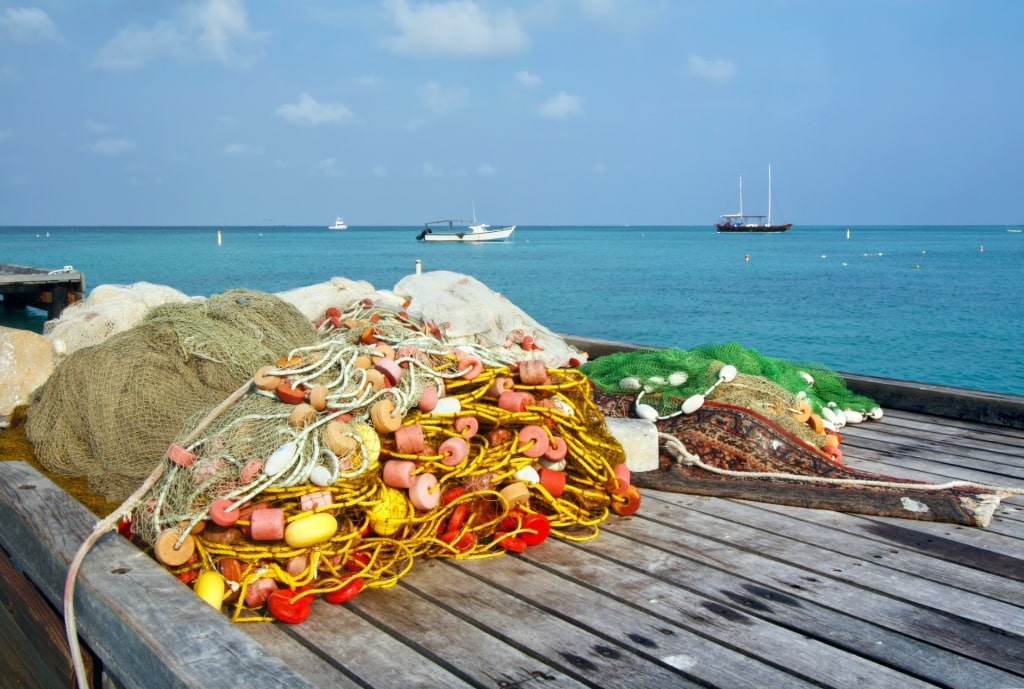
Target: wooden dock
{"x": 42, "y": 288}
{"x": 688, "y": 592}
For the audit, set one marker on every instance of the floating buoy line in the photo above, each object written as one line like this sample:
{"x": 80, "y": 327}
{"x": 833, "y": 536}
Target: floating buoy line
{"x": 339, "y": 465}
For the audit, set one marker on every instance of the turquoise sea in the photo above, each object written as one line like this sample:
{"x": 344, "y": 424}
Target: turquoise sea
{"x": 928, "y": 304}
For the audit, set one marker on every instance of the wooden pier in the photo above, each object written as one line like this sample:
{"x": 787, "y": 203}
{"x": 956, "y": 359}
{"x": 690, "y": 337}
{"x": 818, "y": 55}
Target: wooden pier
{"x": 42, "y": 288}
{"x": 688, "y": 592}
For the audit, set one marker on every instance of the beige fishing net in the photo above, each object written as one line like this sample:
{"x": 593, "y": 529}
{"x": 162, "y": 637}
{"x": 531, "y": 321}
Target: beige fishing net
{"x": 109, "y": 411}
{"x": 469, "y": 312}
{"x": 110, "y": 309}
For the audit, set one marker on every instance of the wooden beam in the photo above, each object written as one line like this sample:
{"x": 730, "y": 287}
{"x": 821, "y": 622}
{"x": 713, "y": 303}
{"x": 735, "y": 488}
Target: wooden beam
{"x": 148, "y": 630}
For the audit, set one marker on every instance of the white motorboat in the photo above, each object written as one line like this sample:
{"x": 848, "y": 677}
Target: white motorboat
{"x": 339, "y": 224}
{"x": 457, "y": 231}
{"x": 473, "y": 232}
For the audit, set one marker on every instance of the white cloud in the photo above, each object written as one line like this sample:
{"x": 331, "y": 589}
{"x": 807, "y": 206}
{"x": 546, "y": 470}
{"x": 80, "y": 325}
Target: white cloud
{"x": 597, "y": 9}
{"x": 561, "y": 106}
{"x": 329, "y": 166}
{"x": 486, "y": 170}
{"x": 241, "y": 150}
{"x": 310, "y": 113}
{"x": 440, "y": 99}
{"x": 97, "y": 127}
{"x": 209, "y": 29}
{"x": 28, "y": 24}
{"x": 712, "y": 70}
{"x": 134, "y": 48}
{"x": 459, "y": 28}
{"x": 429, "y": 170}
{"x": 527, "y": 79}
{"x": 218, "y": 25}
{"x": 111, "y": 146}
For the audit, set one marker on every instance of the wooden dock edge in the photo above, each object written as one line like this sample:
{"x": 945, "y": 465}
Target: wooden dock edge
{"x": 49, "y": 290}
{"x": 146, "y": 629}
{"x": 948, "y": 402}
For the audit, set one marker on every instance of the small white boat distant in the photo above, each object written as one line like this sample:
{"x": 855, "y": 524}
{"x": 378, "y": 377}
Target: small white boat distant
{"x": 339, "y": 224}
{"x": 1015, "y": 230}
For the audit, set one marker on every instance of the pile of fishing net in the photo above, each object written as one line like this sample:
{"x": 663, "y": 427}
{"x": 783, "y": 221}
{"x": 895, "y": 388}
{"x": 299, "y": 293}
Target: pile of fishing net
{"x": 470, "y": 313}
{"x": 109, "y": 409}
{"x": 809, "y": 401}
{"x": 347, "y": 459}
{"x": 110, "y": 309}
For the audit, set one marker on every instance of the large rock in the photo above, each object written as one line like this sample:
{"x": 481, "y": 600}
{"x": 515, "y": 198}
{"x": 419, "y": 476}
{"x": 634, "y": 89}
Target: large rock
{"x": 26, "y": 361}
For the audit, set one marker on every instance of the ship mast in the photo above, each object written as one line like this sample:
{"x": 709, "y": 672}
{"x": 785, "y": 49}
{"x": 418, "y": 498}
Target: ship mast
{"x": 769, "y": 194}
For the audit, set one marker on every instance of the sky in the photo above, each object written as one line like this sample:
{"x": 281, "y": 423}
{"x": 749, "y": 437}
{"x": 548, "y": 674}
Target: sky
{"x": 534, "y": 112}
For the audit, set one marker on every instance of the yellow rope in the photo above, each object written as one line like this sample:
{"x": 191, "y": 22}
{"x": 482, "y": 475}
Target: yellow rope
{"x": 471, "y": 518}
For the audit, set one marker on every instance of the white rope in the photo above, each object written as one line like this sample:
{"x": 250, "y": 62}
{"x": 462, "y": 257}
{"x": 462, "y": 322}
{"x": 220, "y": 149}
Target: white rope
{"x": 109, "y": 523}
{"x": 676, "y": 448}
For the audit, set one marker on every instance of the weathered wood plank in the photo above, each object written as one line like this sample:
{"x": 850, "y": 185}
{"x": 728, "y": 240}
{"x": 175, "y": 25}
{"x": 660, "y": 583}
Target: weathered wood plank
{"x": 813, "y": 529}
{"x": 997, "y": 459}
{"x": 40, "y": 629}
{"x": 148, "y": 630}
{"x": 479, "y": 657}
{"x": 352, "y": 647}
{"x": 758, "y": 615}
{"x": 981, "y": 549}
{"x": 589, "y": 633}
{"x": 714, "y": 642}
{"x": 940, "y": 616}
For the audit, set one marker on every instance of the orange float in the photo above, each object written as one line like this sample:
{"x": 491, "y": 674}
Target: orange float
{"x": 383, "y": 416}
{"x": 288, "y": 394}
{"x": 627, "y": 503}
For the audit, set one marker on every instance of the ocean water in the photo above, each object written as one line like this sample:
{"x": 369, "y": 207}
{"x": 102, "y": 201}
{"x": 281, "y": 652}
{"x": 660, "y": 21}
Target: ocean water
{"x": 928, "y": 304}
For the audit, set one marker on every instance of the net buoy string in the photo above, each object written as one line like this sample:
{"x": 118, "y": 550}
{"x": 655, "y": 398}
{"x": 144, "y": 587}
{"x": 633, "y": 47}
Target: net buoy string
{"x": 109, "y": 523}
{"x": 684, "y": 456}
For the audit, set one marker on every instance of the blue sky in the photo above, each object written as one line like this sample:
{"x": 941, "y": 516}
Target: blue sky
{"x": 560, "y": 112}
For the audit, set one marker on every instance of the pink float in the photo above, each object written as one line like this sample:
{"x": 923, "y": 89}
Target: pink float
{"x": 533, "y": 372}
{"x": 557, "y": 449}
{"x": 515, "y": 400}
{"x": 453, "y": 451}
{"x": 428, "y": 400}
{"x": 391, "y": 370}
{"x": 466, "y": 425}
{"x": 620, "y": 484}
{"x": 533, "y": 441}
{"x": 409, "y": 439}
{"x": 267, "y": 524}
{"x": 499, "y": 385}
{"x": 423, "y": 493}
{"x": 398, "y": 473}
{"x": 471, "y": 366}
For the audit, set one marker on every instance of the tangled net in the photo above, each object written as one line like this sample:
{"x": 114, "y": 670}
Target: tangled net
{"x": 808, "y": 400}
{"x": 108, "y": 410}
{"x": 351, "y": 457}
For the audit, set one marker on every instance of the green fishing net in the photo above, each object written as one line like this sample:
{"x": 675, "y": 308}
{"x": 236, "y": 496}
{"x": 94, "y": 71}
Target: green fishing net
{"x": 771, "y": 386}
